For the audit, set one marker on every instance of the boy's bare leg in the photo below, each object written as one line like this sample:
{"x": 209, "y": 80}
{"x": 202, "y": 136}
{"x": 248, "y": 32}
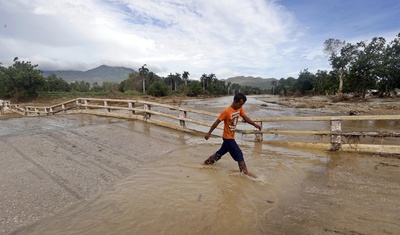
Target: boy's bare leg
{"x": 243, "y": 167}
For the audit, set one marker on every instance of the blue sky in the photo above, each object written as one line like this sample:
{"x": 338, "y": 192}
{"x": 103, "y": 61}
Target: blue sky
{"x": 259, "y": 38}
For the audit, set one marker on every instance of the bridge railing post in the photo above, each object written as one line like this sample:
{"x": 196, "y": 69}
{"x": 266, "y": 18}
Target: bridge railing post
{"x": 131, "y": 105}
{"x": 182, "y": 116}
{"x": 259, "y": 137}
{"x": 146, "y": 115}
{"x": 336, "y": 138}
{"x": 86, "y": 103}
{"x": 77, "y": 103}
{"x": 26, "y": 113}
{"x": 105, "y": 105}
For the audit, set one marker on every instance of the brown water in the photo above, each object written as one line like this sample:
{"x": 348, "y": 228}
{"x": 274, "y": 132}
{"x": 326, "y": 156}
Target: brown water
{"x": 177, "y": 195}
{"x": 288, "y": 195}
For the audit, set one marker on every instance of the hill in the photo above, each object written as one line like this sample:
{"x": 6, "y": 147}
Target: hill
{"x": 100, "y": 74}
{"x": 262, "y": 83}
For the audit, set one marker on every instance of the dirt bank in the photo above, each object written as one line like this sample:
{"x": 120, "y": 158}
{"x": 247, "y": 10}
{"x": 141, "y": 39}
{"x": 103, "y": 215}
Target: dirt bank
{"x": 351, "y": 106}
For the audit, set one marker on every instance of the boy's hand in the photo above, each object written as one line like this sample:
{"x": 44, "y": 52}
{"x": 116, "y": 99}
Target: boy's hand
{"x": 257, "y": 126}
{"x": 207, "y": 136}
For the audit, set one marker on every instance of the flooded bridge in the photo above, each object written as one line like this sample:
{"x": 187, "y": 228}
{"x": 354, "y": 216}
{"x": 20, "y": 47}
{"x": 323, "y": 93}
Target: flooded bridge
{"x": 103, "y": 174}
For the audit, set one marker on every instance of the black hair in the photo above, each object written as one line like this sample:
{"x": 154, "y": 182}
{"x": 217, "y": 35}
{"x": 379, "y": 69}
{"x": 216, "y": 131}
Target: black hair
{"x": 239, "y": 96}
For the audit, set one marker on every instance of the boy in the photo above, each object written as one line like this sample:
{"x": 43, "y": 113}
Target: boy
{"x": 230, "y": 116}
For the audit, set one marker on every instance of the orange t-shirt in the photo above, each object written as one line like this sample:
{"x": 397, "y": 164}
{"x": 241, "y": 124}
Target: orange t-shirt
{"x": 230, "y": 117}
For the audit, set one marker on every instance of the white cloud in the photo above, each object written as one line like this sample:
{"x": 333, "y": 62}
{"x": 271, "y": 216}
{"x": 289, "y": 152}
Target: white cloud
{"x": 225, "y": 37}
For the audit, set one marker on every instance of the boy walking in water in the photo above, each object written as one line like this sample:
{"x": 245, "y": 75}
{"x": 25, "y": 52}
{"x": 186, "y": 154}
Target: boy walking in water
{"x": 230, "y": 116}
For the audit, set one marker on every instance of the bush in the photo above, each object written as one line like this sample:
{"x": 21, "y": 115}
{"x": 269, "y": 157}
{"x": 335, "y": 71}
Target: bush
{"x": 158, "y": 88}
{"x": 195, "y": 89}
{"x": 132, "y": 93}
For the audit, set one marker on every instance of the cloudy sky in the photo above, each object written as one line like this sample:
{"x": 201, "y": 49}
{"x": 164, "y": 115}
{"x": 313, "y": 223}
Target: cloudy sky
{"x": 260, "y": 38}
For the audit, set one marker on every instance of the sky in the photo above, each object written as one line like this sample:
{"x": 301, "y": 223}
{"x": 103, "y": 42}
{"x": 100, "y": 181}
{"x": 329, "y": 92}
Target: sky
{"x": 259, "y": 38}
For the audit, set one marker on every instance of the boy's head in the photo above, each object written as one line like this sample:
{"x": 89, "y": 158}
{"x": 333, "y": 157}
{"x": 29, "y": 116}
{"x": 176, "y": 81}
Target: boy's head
{"x": 238, "y": 100}
{"x": 239, "y": 96}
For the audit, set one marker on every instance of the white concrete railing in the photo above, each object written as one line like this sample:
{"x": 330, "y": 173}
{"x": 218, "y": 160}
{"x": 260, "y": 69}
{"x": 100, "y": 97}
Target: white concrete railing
{"x": 166, "y": 115}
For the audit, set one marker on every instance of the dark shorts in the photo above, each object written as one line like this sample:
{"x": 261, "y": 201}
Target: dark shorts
{"x": 230, "y": 145}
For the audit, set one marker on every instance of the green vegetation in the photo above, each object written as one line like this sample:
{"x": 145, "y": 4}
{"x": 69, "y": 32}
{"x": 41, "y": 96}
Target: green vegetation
{"x": 20, "y": 80}
{"x": 356, "y": 69}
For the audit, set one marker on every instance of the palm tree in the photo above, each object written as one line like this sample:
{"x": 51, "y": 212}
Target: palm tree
{"x": 143, "y": 72}
{"x": 273, "y": 83}
{"x": 203, "y": 80}
{"x": 210, "y": 79}
{"x": 185, "y": 76}
{"x": 176, "y": 79}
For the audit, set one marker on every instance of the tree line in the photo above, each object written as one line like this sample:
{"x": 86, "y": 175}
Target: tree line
{"x": 22, "y": 81}
{"x": 356, "y": 69}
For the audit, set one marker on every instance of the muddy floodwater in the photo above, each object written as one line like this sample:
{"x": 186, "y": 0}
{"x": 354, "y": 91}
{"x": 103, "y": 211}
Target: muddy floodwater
{"x": 115, "y": 176}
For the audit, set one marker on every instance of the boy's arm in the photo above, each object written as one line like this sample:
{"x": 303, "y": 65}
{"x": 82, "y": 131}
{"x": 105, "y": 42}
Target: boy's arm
{"x": 214, "y": 125}
{"x": 248, "y": 120}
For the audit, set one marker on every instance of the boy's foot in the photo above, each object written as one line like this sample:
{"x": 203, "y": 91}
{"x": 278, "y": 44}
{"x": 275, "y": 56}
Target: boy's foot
{"x": 243, "y": 167}
{"x": 212, "y": 159}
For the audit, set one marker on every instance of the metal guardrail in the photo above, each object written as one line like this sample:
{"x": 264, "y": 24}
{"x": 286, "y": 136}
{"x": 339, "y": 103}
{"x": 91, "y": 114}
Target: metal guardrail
{"x": 166, "y": 115}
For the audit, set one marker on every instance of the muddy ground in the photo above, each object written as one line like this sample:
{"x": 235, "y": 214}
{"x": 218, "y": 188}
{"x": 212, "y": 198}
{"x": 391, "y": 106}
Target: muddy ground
{"x": 352, "y": 106}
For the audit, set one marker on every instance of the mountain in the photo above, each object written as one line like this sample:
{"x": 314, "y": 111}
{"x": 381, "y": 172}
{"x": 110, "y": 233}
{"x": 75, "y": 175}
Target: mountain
{"x": 106, "y": 73}
{"x": 100, "y": 74}
{"x": 262, "y": 83}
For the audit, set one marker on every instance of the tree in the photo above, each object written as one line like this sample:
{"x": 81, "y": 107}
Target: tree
{"x": 389, "y": 73}
{"x": 133, "y": 83}
{"x": 111, "y": 88}
{"x": 228, "y": 86}
{"x": 21, "y": 80}
{"x": 173, "y": 80}
{"x": 195, "y": 88}
{"x": 185, "y": 77}
{"x": 177, "y": 80}
{"x": 235, "y": 88}
{"x": 305, "y": 82}
{"x": 152, "y": 77}
{"x": 273, "y": 83}
{"x": 325, "y": 83}
{"x": 143, "y": 71}
{"x": 209, "y": 79}
{"x": 81, "y": 86}
{"x": 97, "y": 88}
{"x": 333, "y": 47}
{"x": 203, "y": 80}
{"x": 53, "y": 83}
{"x": 158, "y": 88}
{"x": 365, "y": 67}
